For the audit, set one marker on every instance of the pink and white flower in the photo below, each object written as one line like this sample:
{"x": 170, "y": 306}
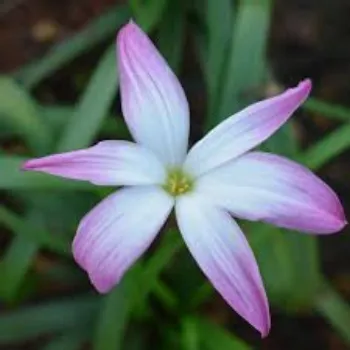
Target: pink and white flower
{"x": 220, "y": 176}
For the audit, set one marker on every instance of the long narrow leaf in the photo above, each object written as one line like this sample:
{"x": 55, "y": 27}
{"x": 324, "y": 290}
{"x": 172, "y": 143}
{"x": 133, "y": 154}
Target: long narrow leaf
{"x": 133, "y": 290}
{"x": 147, "y": 13}
{"x": 189, "y": 334}
{"x": 328, "y": 110}
{"x": 214, "y": 337}
{"x": 171, "y": 34}
{"x": 246, "y": 60}
{"x": 19, "y": 112}
{"x": 68, "y": 50}
{"x": 58, "y": 115}
{"x": 93, "y": 106}
{"x": 219, "y": 22}
{"x": 66, "y": 342}
{"x": 28, "y": 323}
{"x": 335, "y": 309}
{"x": 327, "y": 148}
{"x": 115, "y": 313}
{"x": 31, "y": 233}
{"x": 15, "y": 265}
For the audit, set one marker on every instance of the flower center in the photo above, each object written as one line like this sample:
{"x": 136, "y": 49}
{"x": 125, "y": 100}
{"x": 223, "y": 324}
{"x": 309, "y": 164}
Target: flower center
{"x": 178, "y": 182}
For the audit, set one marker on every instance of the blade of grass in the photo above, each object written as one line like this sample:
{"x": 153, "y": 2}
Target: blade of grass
{"x": 14, "y": 266}
{"x": 147, "y": 13}
{"x": 328, "y": 110}
{"x": 327, "y": 148}
{"x": 219, "y": 23}
{"x": 19, "y": 112}
{"x": 93, "y": 105}
{"x": 31, "y": 233}
{"x": 213, "y": 337}
{"x": 275, "y": 261}
{"x": 335, "y": 310}
{"x": 133, "y": 290}
{"x": 305, "y": 260}
{"x": 246, "y": 58}
{"x": 31, "y": 322}
{"x": 115, "y": 313}
{"x": 62, "y": 53}
{"x": 66, "y": 342}
{"x": 170, "y": 245}
{"x": 166, "y": 296}
{"x": 24, "y": 247}
{"x": 189, "y": 334}
{"x": 57, "y": 117}
{"x": 283, "y": 142}
{"x": 171, "y": 34}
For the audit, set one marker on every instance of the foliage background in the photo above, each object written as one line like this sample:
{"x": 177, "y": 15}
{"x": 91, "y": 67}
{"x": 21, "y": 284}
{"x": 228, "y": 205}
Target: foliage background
{"x": 59, "y": 91}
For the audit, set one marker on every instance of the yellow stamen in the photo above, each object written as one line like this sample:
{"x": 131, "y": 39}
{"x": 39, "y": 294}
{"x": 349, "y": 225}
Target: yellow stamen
{"x": 178, "y": 182}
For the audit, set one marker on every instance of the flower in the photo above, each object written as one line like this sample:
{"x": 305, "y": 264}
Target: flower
{"x": 217, "y": 178}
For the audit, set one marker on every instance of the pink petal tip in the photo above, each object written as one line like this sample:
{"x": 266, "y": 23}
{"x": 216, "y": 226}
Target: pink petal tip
{"x": 305, "y": 85}
{"x": 130, "y": 28}
{"x": 28, "y": 165}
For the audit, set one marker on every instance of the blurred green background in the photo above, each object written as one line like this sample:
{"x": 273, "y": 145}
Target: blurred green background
{"x": 59, "y": 91}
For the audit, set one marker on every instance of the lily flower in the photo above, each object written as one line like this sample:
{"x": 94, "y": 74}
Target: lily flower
{"x": 218, "y": 179}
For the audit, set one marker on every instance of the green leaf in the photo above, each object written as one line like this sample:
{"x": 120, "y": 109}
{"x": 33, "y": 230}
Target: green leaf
{"x": 214, "y": 337}
{"x": 147, "y": 13}
{"x": 115, "y": 313}
{"x": 171, "y": 34}
{"x": 28, "y": 323}
{"x": 327, "y": 148}
{"x": 276, "y": 265}
{"x": 328, "y": 110}
{"x": 64, "y": 273}
{"x": 29, "y": 232}
{"x": 203, "y": 293}
{"x": 246, "y": 59}
{"x": 66, "y": 342}
{"x": 60, "y": 54}
{"x": 189, "y": 334}
{"x": 304, "y": 258}
{"x": 93, "y": 105}
{"x": 219, "y": 23}
{"x": 22, "y": 251}
{"x": 19, "y": 112}
{"x": 170, "y": 245}
{"x": 13, "y": 178}
{"x": 289, "y": 263}
{"x": 166, "y": 296}
{"x": 58, "y": 115}
{"x": 132, "y": 291}
{"x": 14, "y": 266}
{"x": 283, "y": 142}
{"x": 334, "y": 309}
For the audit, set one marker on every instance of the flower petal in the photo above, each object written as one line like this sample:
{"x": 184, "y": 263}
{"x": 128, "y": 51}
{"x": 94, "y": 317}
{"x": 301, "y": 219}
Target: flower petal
{"x": 117, "y": 231}
{"x": 263, "y": 186}
{"x": 106, "y": 163}
{"x": 153, "y": 101}
{"x": 245, "y": 130}
{"x": 223, "y": 253}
